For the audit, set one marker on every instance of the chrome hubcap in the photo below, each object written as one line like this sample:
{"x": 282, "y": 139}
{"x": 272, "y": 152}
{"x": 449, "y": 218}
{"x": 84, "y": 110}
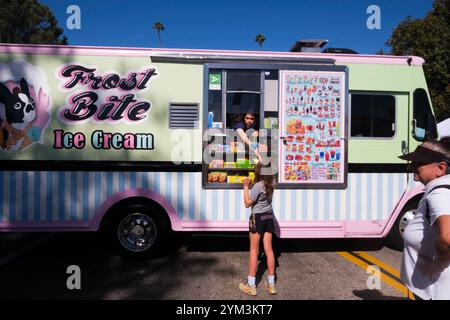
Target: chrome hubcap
{"x": 137, "y": 232}
{"x": 407, "y": 216}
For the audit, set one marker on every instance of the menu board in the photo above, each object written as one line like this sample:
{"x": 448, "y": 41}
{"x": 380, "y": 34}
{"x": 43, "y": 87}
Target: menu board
{"x": 312, "y": 127}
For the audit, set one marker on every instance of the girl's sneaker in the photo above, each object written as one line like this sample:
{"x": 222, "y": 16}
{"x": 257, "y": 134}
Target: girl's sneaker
{"x": 271, "y": 288}
{"x": 248, "y": 289}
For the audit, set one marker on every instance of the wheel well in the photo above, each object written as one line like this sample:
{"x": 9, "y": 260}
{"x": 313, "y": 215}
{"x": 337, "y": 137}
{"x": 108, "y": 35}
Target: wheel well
{"x": 410, "y": 204}
{"x": 114, "y": 211}
{"x": 414, "y": 200}
{"x": 395, "y": 240}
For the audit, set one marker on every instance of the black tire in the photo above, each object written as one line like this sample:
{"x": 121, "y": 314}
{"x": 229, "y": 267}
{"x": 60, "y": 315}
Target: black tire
{"x": 139, "y": 231}
{"x": 395, "y": 238}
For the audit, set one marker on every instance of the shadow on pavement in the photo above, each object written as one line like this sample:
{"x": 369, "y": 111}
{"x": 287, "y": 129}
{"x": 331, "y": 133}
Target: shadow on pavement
{"x": 41, "y": 272}
{"x": 239, "y": 242}
{"x": 375, "y": 295}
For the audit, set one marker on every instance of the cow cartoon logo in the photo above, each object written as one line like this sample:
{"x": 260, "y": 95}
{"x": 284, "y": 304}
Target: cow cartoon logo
{"x": 23, "y": 107}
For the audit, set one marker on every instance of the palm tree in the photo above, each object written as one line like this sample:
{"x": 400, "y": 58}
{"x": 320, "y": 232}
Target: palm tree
{"x": 159, "y": 26}
{"x": 260, "y": 38}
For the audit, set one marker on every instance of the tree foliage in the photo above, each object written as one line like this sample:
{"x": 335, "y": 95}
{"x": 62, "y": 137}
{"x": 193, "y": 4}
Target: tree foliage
{"x": 260, "y": 38}
{"x": 28, "y": 21}
{"x": 159, "y": 26}
{"x": 429, "y": 38}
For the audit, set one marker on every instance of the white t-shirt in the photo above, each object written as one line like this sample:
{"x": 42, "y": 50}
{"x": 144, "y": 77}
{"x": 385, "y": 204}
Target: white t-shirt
{"x": 420, "y": 236}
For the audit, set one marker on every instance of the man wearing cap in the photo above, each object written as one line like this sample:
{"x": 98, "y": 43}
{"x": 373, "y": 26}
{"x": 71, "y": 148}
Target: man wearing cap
{"x": 426, "y": 257}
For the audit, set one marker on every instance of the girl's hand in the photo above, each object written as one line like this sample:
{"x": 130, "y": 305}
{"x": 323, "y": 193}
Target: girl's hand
{"x": 247, "y": 182}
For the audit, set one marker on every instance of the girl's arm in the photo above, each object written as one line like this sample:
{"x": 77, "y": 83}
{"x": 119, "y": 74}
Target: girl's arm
{"x": 247, "y": 201}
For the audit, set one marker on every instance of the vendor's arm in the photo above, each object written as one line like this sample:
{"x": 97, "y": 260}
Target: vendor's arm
{"x": 243, "y": 136}
{"x": 239, "y": 128}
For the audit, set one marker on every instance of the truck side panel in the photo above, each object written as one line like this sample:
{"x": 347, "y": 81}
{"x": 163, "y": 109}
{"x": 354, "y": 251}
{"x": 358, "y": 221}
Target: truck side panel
{"x": 76, "y": 200}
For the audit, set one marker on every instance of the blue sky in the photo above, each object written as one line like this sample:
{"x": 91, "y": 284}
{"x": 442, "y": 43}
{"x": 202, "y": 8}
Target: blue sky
{"x": 233, "y": 24}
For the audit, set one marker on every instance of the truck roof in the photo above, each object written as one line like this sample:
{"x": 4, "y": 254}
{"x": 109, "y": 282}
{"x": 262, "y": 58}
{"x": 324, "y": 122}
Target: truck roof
{"x": 198, "y": 54}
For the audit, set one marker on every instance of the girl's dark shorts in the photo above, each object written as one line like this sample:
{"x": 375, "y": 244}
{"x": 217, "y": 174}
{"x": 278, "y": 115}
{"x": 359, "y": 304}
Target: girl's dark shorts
{"x": 261, "y": 222}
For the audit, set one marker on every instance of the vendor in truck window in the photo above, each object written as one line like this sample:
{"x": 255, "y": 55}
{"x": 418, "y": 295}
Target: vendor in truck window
{"x": 246, "y": 128}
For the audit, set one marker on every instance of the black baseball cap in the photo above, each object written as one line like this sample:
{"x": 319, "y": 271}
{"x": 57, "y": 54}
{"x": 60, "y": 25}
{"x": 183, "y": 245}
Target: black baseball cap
{"x": 424, "y": 155}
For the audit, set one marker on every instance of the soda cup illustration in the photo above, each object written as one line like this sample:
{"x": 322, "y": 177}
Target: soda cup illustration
{"x": 332, "y": 153}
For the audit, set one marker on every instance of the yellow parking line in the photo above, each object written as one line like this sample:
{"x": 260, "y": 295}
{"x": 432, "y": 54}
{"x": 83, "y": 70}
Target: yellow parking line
{"x": 379, "y": 263}
{"x": 385, "y": 278}
{"x": 356, "y": 261}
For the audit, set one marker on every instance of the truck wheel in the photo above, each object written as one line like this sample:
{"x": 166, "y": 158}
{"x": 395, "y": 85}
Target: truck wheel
{"x": 139, "y": 231}
{"x": 395, "y": 237}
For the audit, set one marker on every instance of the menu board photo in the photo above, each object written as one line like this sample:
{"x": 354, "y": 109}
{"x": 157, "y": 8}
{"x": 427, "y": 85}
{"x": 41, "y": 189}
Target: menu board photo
{"x": 312, "y": 127}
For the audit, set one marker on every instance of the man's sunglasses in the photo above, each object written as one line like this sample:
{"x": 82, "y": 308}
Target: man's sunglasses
{"x": 416, "y": 164}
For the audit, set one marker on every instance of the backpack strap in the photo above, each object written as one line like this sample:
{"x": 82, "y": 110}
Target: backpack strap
{"x": 427, "y": 213}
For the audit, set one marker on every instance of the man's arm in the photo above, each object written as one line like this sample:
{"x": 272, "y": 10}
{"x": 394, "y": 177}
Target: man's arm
{"x": 443, "y": 238}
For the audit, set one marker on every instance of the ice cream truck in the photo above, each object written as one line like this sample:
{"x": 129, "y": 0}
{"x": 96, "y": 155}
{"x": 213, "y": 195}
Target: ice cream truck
{"x": 143, "y": 138}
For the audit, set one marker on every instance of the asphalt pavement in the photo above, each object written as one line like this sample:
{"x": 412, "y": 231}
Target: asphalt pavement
{"x": 195, "y": 267}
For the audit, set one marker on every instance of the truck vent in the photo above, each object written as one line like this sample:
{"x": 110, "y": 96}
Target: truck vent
{"x": 183, "y": 115}
{"x": 339, "y": 50}
{"x": 310, "y": 45}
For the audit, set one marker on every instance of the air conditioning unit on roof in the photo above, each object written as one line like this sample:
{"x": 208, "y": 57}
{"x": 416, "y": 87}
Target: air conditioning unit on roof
{"x": 310, "y": 45}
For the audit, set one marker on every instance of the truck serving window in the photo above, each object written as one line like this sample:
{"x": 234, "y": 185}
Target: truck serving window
{"x": 372, "y": 115}
{"x": 231, "y": 94}
{"x": 243, "y": 94}
{"x": 424, "y": 123}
